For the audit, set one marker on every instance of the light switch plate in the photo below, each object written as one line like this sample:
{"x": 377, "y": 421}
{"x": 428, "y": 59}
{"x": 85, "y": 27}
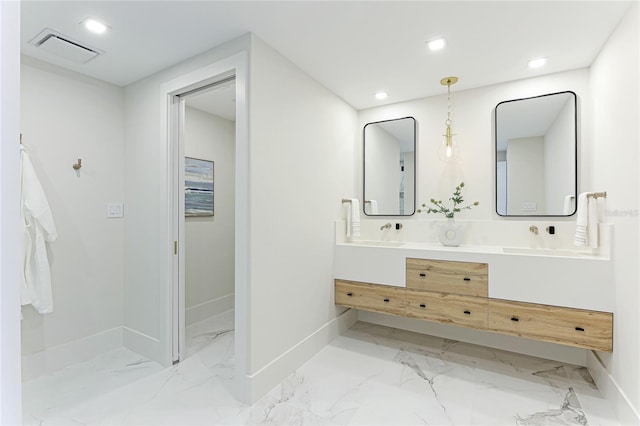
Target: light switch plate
{"x": 115, "y": 210}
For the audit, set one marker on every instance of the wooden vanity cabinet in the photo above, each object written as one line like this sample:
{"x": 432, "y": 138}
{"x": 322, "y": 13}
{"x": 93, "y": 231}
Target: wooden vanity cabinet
{"x": 456, "y": 293}
{"x": 447, "y": 291}
{"x": 447, "y": 308}
{"x": 568, "y": 326}
{"x": 371, "y": 297}
{"x": 445, "y": 276}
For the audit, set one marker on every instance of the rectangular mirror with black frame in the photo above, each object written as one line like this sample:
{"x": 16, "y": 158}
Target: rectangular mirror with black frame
{"x": 536, "y": 155}
{"x": 390, "y": 167}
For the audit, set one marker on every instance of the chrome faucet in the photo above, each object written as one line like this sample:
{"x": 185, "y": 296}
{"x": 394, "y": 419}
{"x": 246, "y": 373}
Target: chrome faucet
{"x": 386, "y": 226}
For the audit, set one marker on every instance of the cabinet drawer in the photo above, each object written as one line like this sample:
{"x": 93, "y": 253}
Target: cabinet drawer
{"x": 467, "y": 311}
{"x": 370, "y": 297}
{"x": 466, "y": 278}
{"x": 574, "y": 327}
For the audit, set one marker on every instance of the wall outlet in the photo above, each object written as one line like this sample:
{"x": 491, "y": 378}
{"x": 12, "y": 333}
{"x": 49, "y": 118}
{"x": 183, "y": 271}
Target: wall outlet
{"x": 115, "y": 210}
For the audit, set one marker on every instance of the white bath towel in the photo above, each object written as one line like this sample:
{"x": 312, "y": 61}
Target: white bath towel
{"x": 353, "y": 218}
{"x": 592, "y": 225}
{"x": 373, "y": 207}
{"x": 582, "y": 221}
{"x": 38, "y": 229}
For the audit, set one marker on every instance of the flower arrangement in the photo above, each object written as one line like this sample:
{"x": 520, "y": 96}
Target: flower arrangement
{"x": 438, "y": 207}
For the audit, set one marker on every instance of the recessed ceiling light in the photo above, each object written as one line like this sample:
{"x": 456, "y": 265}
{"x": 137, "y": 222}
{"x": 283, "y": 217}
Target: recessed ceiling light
{"x": 537, "y": 63}
{"x": 437, "y": 44}
{"x": 94, "y": 26}
{"x": 381, "y": 95}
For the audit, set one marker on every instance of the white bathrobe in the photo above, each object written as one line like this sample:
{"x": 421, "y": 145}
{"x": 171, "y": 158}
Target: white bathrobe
{"x": 38, "y": 227}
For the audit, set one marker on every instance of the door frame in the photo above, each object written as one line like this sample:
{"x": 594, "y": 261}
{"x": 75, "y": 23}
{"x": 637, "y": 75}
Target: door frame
{"x": 172, "y": 128}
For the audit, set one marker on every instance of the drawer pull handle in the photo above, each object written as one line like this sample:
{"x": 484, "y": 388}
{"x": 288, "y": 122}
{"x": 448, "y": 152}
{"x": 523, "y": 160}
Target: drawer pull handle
{"x": 516, "y": 319}
{"x": 422, "y": 274}
{"x": 386, "y": 300}
{"x": 422, "y": 305}
{"x": 349, "y": 294}
{"x": 467, "y": 312}
{"x": 579, "y": 329}
{"x": 467, "y": 279}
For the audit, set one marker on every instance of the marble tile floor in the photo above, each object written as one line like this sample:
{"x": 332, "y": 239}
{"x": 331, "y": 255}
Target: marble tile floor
{"x": 371, "y": 375}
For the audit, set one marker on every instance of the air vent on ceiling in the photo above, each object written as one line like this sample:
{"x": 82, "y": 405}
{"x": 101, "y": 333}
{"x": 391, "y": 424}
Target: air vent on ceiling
{"x": 64, "y": 47}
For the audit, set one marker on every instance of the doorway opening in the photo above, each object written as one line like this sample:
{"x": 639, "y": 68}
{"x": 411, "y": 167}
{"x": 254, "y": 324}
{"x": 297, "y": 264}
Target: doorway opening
{"x": 192, "y": 257}
{"x": 208, "y": 136}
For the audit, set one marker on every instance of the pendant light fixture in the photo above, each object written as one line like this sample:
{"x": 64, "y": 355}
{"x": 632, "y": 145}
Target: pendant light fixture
{"x": 448, "y": 148}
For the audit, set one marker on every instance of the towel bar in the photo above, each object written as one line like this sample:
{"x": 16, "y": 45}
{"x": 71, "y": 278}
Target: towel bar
{"x": 597, "y": 195}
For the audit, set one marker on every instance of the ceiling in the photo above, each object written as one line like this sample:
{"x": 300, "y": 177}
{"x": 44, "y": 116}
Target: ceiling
{"x": 403, "y": 129}
{"x": 219, "y": 100}
{"x": 530, "y": 117}
{"x": 354, "y": 48}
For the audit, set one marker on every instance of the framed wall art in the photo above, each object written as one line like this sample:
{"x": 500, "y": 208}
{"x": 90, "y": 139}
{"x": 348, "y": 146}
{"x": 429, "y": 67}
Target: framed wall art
{"x": 198, "y": 187}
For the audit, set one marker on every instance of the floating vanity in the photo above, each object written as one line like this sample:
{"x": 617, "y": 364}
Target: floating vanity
{"x": 559, "y": 296}
{"x": 510, "y": 276}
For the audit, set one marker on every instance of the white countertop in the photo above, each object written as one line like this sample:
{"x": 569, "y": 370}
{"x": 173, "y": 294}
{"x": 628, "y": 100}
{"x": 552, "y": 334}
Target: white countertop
{"x": 560, "y": 277}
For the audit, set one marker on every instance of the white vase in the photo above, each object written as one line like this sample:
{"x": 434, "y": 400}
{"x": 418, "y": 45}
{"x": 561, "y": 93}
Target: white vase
{"x": 451, "y": 233}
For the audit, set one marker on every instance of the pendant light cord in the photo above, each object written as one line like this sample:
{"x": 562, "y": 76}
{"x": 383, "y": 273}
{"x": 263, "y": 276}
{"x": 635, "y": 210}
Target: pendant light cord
{"x": 448, "y": 121}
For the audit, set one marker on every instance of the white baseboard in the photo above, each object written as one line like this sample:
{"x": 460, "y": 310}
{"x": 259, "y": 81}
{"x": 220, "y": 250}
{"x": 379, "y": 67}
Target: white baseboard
{"x": 611, "y": 391}
{"x": 252, "y": 387}
{"x": 209, "y": 309}
{"x": 61, "y": 356}
{"x": 143, "y": 344}
{"x": 566, "y": 354}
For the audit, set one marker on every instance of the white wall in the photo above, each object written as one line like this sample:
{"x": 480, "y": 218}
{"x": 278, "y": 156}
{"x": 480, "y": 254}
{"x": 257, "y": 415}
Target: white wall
{"x": 66, "y": 116}
{"x": 10, "y": 395}
{"x": 409, "y": 184}
{"x": 302, "y": 164}
{"x": 147, "y": 244}
{"x": 473, "y": 122}
{"x": 383, "y": 172}
{"x": 526, "y": 171}
{"x": 615, "y": 77}
{"x": 501, "y": 184}
{"x": 210, "y": 240}
{"x": 559, "y": 158}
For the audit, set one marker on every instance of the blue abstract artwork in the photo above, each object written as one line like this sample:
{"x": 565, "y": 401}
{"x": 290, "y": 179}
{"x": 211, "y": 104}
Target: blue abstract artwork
{"x": 198, "y": 190}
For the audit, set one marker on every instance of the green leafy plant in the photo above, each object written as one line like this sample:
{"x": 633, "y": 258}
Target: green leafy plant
{"x": 437, "y": 206}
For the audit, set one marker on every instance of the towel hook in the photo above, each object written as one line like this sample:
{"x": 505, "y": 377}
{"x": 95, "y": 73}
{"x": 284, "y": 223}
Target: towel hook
{"x": 77, "y": 165}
